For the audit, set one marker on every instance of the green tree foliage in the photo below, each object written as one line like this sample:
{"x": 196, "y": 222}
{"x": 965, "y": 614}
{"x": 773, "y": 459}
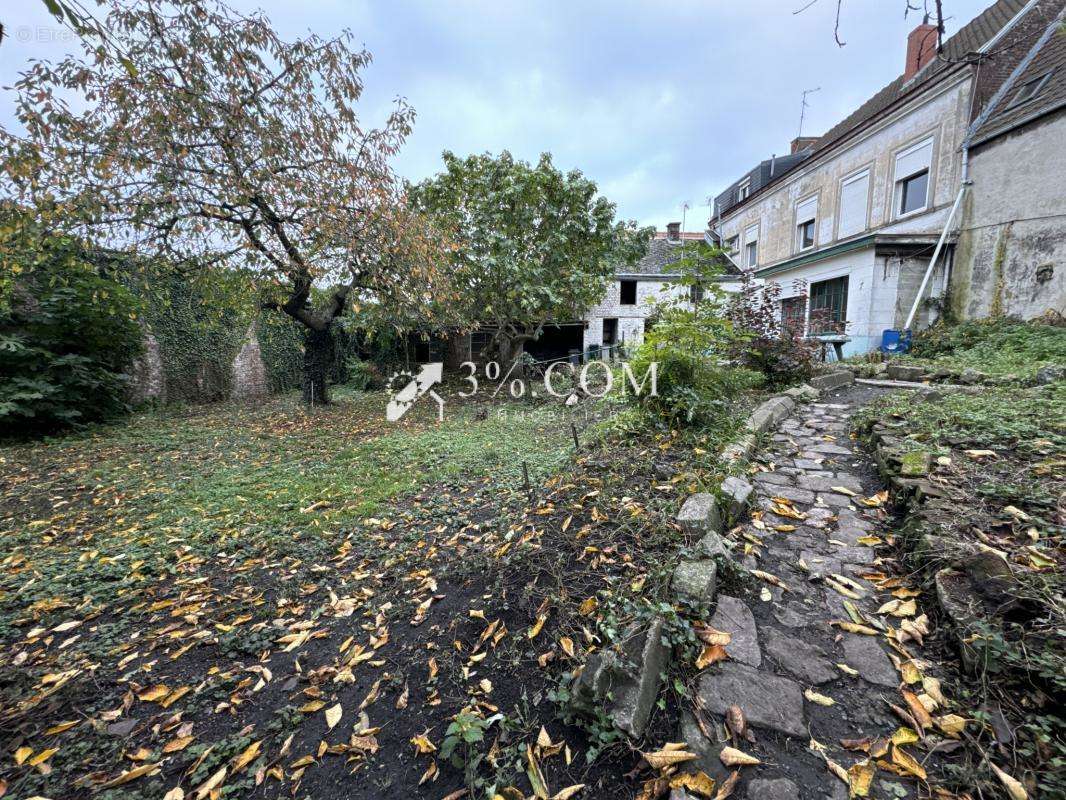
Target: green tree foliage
{"x": 690, "y": 343}
{"x": 68, "y": 332}
{"x": 531, "y": 244}
{"x": 198, "y": 134}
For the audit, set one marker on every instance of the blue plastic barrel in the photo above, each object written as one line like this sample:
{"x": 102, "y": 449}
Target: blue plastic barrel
{"x": 893, "y": 341}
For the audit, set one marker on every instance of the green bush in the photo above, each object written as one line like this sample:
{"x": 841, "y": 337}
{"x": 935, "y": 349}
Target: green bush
{"x": 696, "y": 385}
{"x": 997, "y": 346}
{"x": 778, "y": 351}
{"x": 68, "y": 333}
{"x": 363, "y": 375}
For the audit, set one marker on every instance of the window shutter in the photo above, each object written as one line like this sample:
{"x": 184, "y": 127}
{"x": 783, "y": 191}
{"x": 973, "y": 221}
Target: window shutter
{"x": 854, "y": 197}
{"x": 751, "y": 234}
{"x": 807, "y": 210}
{"x": 914, "y": 159}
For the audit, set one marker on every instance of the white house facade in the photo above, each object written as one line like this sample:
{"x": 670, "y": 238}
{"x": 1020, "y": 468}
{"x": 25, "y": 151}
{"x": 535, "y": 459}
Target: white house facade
{"x": 624, "y": 313}
{"x": 847, "y": 223}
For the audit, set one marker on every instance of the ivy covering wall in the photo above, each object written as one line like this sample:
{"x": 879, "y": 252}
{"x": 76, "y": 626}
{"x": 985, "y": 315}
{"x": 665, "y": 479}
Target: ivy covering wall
{"x": 201, "y": 319}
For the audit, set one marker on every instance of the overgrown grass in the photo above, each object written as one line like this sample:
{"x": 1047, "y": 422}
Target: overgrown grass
{"x": 994, "y": 417}
{"x": 1005, "y": 450}
{"x": 91, "y": 513}
{"x": 994, "y": 346}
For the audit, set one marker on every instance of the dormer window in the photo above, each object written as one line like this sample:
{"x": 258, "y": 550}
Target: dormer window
{"x": 744, "y": 190}
{"x": 1030, "y": 89}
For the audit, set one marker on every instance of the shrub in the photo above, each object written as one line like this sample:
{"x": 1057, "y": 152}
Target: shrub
{"x": 772, "y": 347}
{"x": 691, "y": 344}
{"x": 997, "y": 345}
{"x": 363, "y": 375}
{"x": 68, "y": 333}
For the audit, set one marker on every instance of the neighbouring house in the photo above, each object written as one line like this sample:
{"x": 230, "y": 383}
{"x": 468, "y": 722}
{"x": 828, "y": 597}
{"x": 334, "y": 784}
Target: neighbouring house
{"x": 623, "y": 314}
{"x": 847, "y": 222}
{"x": 1011, "y": 252}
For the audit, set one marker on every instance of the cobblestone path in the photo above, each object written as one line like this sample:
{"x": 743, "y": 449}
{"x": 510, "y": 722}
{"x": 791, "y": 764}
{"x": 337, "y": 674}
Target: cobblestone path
{"x": 794, "y": 670}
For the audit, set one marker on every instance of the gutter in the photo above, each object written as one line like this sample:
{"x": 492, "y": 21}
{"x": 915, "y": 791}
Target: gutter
{"x": 819, "y": 255}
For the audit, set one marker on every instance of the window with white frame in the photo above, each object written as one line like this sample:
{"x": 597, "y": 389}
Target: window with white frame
{"x": 806, "y": 215}
{"x": 912, "y": 178}
{"x": 751, "y": 246}
{"x": 744, "y": 190}
{"x": 732, "y": 245}
{"x": 854, "y": 204}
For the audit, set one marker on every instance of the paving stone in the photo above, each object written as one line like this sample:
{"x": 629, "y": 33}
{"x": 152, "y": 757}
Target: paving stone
{"x": 699, "y": 513}
{"x": 849, "y": 534}
{"x": 772, "y": 789}
{"x": 768, "y": 701}
{"x": 707, "y": 752}
{"x": 733, "y": 617}
{"x": 791, "y": 615}
{"x": 774, "y": 478}
{"x": 820, "y": 513}
{"x": 820, "y": 562}
{"x": 835, "y": 500}
{"x": 865, "y": 654}
{"x": 809, "y": 463}
{"x": 695, "y": 581}
{"x": 737, "y": 493}
{"x": 610, "y": 684}
{"x": 804, "y": 661}
{"x": 855, "y": 555}
{"x": 832, "y": 449}
{"x": 793, "y": 494}
{"x": 828, "y": 483}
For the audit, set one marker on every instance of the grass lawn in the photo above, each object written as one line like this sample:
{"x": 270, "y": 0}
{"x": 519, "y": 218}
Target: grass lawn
{"x": 184, "y": 597}
{"x": 124, "y": 504}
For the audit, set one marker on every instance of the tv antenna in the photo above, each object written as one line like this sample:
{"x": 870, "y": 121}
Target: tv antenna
{"x": 804, "y": 105}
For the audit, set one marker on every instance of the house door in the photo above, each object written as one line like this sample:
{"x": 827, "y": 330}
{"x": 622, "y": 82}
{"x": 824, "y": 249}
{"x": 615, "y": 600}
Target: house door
{"x": 610, "y": 331}
{"x": 793, "y": 315}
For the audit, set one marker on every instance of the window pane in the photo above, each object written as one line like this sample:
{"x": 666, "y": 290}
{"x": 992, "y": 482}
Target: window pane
{"x": 829, "y": 304}
{"x": 806, "y": 234}
{"x": 914, "y": 191}
{"x": 752, "y": 249}
{"x": 793, "y": 311}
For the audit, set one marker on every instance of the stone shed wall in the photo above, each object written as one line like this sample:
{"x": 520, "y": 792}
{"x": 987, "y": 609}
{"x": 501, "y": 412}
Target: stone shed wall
{"x": 1011, "y": 255}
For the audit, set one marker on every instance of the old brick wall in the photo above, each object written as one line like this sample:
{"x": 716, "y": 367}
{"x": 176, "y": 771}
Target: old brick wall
{"x": 146, "y": 379}
{"x": 249, "y": 372}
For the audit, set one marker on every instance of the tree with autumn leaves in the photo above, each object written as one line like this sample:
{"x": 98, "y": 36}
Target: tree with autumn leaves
{"x": 196, "y": 134}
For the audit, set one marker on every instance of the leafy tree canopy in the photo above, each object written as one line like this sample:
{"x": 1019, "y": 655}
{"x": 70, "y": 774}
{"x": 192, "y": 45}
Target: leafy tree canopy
{"x": 531, "y": 244}
{"x": 199, "y": 133}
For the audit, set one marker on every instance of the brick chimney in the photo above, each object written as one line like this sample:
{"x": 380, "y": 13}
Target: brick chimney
{"x": 921, "y": 48}
{"x": 673, "y": 231}
{"x": 803, "y": 142}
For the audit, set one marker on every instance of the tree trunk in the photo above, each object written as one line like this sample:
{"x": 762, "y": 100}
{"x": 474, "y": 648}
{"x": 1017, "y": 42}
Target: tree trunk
{"x": 318, "y": 359}
{"x": 510, "y": 349}
{"x": 457, "y": 350}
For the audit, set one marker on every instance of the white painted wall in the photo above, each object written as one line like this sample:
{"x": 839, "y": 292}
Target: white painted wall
{"x": 864, "y": 289}
{"x": 631, "y": 318}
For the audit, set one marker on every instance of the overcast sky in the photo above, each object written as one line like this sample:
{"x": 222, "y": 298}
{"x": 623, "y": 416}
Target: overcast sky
{"x": 660, "y": 103}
